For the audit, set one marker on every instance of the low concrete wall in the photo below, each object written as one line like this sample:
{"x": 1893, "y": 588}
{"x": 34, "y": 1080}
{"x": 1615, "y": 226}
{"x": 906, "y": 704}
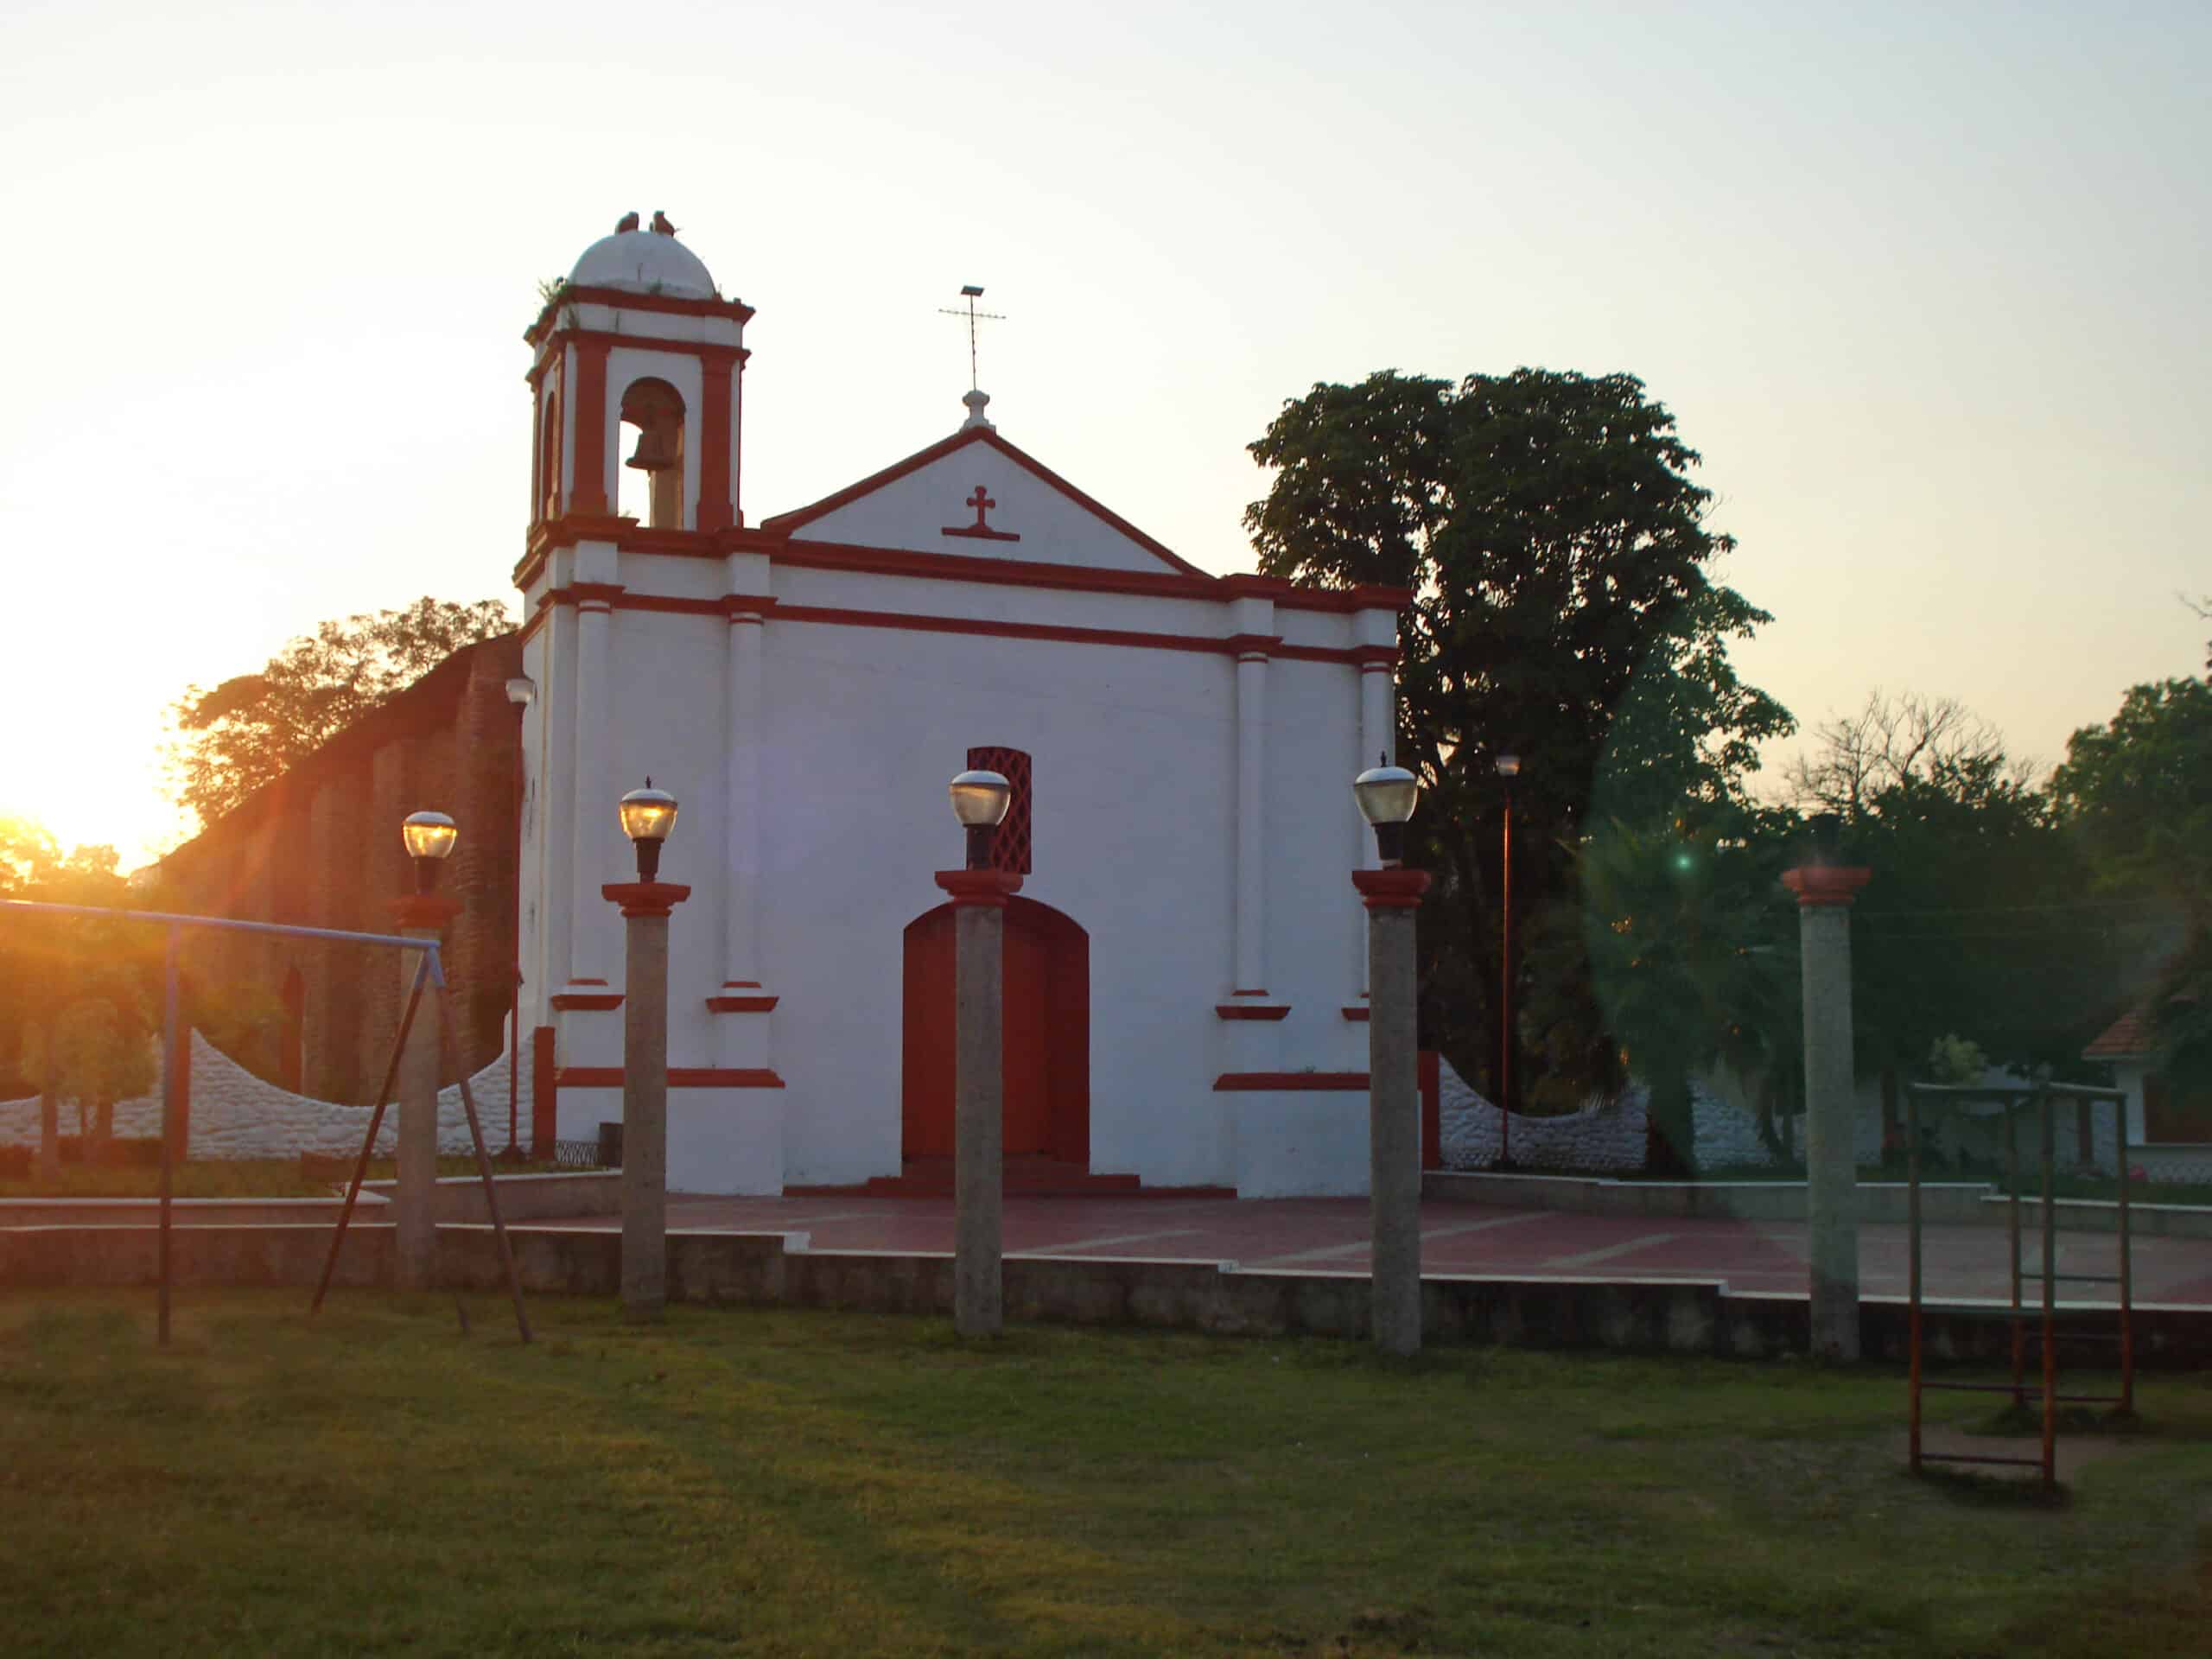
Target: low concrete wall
{"x": 1963, "y": 1203}
{"x": 548, "y": 1196}
{"x": 1649, "y": 1315}
{"x": 556, "y": 1195}
{"x": 254, "y": 1258}
{"x": 183, "y": 1213}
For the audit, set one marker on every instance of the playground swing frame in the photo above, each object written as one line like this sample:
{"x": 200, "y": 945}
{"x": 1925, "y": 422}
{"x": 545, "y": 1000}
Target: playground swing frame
{"x": 430, "y": 973}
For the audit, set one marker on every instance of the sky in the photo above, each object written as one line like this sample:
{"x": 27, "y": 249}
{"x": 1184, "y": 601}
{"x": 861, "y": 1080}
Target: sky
{"x": 1926, "y": 287}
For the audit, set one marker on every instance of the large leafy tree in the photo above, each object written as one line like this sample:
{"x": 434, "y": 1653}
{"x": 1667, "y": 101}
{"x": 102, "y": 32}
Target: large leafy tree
{"x": 76, "y": 992}
{"x": 1972, "y": 926}
{"x": 2137, "y": 791}
{"x": 1563, "y": 609}
{"x": 248, "y": 731}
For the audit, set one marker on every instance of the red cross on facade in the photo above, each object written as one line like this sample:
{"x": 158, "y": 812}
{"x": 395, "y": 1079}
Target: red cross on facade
{"x": 980, "y": 529}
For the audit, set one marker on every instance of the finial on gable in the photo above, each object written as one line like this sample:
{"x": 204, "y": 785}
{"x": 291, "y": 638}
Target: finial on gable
{"x": 976, "y": 402}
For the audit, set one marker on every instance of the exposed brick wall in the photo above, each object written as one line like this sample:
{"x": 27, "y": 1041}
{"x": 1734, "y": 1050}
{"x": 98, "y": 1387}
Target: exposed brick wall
{"x": 321, "y": 848}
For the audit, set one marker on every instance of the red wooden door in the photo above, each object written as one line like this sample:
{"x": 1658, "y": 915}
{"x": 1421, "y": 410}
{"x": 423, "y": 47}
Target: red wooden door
{"x": 1045, "y": 1015}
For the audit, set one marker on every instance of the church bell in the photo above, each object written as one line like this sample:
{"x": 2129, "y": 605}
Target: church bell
{"x": 655, "y": 454}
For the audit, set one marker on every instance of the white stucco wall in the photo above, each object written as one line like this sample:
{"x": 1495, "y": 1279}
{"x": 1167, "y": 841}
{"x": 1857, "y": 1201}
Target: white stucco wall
{"x": 1134, "y": 743}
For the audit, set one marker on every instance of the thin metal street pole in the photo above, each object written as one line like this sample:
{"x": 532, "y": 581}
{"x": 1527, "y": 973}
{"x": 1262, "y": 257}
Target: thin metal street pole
{"x": 1505, "y": 998}
{"x": 168, "y": 1122}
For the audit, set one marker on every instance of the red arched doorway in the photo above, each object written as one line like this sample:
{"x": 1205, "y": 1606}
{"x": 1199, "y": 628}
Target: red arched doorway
{"x": 1046, "y": 1010}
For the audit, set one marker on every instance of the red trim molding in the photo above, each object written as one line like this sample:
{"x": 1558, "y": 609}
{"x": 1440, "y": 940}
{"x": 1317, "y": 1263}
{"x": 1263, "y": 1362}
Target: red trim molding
{"x": 674, "y": 304}
{"x": 1825, "y": 886}
{"x": 430, "y": 912}
{"x": 645, "y": 898}
{"x": 1270, "y": 1082}
{"x": 1358, "y": 1013}
{"x": 587, "y": 495}
{"x": 679, "y": 1077}
{"x": 1393, "y": 889}
{"x": 839, "y": 617}
{"x": 717, "y": 507}
{"x": 1251, "y": 1010}
{"x": 588, "y": 1002}
{"x": 987, "y": 887}
{"x": 740, "y": 1003}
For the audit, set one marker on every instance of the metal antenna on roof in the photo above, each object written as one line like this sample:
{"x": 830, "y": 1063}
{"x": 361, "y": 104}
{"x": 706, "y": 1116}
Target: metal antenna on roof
{"x": 971, "y": 294}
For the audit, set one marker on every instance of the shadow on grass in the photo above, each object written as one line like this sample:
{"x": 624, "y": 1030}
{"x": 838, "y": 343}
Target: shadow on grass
{"x": 1972, "y": 1490}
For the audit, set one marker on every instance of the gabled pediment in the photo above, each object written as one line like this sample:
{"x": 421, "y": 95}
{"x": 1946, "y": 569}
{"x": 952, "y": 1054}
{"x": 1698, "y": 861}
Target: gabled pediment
{"x": 976, "y": 496}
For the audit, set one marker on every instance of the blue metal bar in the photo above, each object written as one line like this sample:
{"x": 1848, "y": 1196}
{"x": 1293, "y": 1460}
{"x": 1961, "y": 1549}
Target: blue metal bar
{"x": 285, "y": 930}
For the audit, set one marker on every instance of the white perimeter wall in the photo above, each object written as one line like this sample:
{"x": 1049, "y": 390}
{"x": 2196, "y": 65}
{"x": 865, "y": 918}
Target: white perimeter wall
{"x": 236, "y": 1114}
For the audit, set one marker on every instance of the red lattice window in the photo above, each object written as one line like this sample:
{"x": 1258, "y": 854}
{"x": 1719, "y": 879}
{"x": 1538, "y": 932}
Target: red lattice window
{"x": 1010, "y": 847}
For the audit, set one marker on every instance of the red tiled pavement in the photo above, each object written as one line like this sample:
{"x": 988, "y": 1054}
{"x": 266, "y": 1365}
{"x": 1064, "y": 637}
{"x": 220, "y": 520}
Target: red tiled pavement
{"x": 1330, "y": 1234}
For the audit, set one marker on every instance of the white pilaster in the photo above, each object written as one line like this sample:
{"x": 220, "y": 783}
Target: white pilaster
{"x": 596, "y": 947}
{"x": 1254, "y": 637}
{"x": 1375, "y": 634}
{"x": 556, "y": 718}
{"x": 743, "y": 1000}
{"x": 742, "y": 906}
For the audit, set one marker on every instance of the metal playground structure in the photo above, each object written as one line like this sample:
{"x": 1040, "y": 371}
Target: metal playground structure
{"x": 2035, "y": 1101}
{"x": 430, "y": 973}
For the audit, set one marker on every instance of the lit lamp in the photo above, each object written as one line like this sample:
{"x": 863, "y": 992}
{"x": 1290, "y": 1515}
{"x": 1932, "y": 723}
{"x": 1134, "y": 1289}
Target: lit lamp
{"x": 429, "y": 837}
{"x": 980, "y": 801}
{"x": 648, "y": 815}
{"x": 1387, "y": 796}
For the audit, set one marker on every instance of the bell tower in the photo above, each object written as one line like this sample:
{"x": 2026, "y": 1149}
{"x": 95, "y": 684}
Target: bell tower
{"x": 637, "y": 336}
{"x": 636, "y": 369}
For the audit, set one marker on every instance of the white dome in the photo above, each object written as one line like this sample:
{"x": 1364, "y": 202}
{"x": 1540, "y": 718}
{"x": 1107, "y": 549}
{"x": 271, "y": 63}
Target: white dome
{"x": 643, "y": 262}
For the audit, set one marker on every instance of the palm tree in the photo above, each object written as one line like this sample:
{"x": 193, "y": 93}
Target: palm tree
{"x": 1689, "y": 964}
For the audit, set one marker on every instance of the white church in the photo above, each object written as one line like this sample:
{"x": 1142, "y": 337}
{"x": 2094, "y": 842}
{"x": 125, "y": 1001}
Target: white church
{"x": 1185, "y": 960}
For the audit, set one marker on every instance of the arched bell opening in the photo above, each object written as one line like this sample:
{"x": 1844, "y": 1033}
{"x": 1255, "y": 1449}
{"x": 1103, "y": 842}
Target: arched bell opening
{"x": 651, "y": 489}
{"x": 1046, "y": 1014}
{"x": 546, "y": 498}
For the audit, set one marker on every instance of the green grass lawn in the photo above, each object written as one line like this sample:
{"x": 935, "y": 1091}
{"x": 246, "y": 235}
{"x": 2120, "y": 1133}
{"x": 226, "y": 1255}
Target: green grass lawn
{"x": 782, "y": 1482}
{"x": 223, "y": 1178}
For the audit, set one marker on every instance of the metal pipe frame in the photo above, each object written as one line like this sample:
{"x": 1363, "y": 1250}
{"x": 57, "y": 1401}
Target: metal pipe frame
{"x": 432, "y": 972}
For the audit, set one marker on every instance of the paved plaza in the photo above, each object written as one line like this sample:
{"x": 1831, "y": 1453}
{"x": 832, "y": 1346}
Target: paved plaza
{"x": 1330, "y": 1235}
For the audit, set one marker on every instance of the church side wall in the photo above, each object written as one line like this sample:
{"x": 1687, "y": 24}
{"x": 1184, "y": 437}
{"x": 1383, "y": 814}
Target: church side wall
{"x": 322, "y": 849}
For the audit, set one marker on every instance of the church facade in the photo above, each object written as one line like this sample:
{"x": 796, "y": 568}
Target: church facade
{"x": 1185, "y": 1002}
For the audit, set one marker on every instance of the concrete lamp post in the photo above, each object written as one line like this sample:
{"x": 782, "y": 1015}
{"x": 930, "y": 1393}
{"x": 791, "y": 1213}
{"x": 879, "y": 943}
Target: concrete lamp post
{"x": 1825, "y": 886}
{"x": 425, "y": 913}
{"x": 648, "y": 815}
{"x": 1387, "y": 796}
{"x": 979, "y": 895}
